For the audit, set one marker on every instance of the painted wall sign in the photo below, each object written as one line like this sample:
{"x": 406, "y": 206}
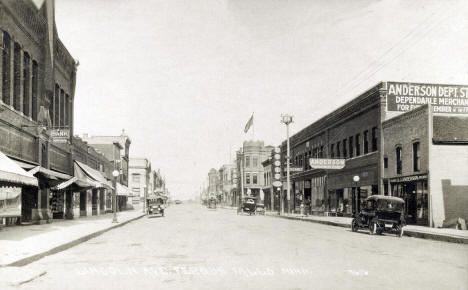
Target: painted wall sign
{"x": 324, "y": 163}
{"x": 403, "y": 97}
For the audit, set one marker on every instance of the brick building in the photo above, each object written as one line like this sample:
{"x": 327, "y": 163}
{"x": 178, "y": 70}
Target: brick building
{"x": 395, "y": 145}
{"x": 116, "y": 149}
{"x": 37, "y": 93}
{"x": 228, "y": 183}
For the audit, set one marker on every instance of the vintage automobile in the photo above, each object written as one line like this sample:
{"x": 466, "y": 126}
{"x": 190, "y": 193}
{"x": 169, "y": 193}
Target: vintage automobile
{"x": 212, "y": 203}
{"x": 380, "y": 213}
{"x": 155, "y": 207}
{"x": 248, "y": 205}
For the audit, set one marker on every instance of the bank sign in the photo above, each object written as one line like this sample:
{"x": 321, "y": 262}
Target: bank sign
{"x": 403, "y": 97}
{"x": 60, "y": 135}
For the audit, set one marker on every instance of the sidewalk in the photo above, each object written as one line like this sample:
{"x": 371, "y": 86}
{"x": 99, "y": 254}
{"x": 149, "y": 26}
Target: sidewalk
{"x": 447, "y": 235}
{"x": 22, "y": 245}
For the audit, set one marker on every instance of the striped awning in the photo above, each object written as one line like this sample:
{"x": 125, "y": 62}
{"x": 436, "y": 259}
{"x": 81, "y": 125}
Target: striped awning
{"x": 13, "y": 173}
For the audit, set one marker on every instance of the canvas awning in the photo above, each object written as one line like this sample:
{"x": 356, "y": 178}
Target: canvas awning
{"x": 50, "y": 174}
{"x": 95, "y": 175}
{"x": 122, "y": 190}
{"x": 13, "y": 173}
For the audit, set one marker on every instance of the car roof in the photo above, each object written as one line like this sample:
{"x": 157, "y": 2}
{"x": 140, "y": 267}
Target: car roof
{"x": 384, "y": 197}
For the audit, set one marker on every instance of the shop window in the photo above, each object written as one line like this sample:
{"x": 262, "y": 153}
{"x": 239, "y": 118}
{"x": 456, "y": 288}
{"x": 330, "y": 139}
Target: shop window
{"x": 254, "y": 178}
{"x": 26, "y": 76}
{"x": 338, "y": 153}
{"x": 34, "y": 90}
{"x": 416, "y": 157}
{"x": 366, "y": 142}
{"x": 332, "y": 150}
{"x": 351, "y": 147}
{"x": 247, "y": 161}
{"x": 6, "y": 61}
{"x": 374, "y": 139}
{"x": 399, "y": 166}
{"x": 17, "y": 77}
{"x": 345, "y": 145}
{"x": 358, "y": 145}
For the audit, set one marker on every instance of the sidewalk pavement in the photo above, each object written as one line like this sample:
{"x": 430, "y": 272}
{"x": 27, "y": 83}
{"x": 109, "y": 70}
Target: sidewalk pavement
{"x": 447, "y": 235}
{"x": 22, "y": 245}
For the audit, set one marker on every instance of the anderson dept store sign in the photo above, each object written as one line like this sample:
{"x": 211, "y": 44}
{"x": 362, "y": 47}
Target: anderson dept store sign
{"x": 402, "y": 97}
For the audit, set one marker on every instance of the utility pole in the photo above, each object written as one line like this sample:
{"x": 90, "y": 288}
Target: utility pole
{"x": 287, "y": 119}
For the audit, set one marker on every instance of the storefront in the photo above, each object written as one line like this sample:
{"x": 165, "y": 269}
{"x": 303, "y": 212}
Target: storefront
{"x": 13, "y": 182}
{"x": 413, "y": 189}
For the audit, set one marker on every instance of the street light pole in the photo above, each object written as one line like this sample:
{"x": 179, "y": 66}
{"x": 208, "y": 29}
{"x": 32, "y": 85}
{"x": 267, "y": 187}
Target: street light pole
{"x": 287, "y": 119}
{"x": 115, "y": 173}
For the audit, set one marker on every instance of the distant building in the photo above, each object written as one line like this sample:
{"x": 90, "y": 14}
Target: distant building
{"x": 213, "y": 182}
{"x": 228, "y": 183}
{"x": 139, "y": 179}
{"x": 249, "y": 163}
{"x": 116, "y": 149}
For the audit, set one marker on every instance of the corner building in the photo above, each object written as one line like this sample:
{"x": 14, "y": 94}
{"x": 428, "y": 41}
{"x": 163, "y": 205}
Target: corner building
{"x": 395, "y": 147}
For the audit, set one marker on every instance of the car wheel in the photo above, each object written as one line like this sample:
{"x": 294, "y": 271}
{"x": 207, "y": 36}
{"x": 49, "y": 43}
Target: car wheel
{"x": 354, "y": 225}
{"x": 372, "y": 228}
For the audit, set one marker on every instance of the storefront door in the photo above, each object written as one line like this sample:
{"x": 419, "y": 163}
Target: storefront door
{"x": 416, "y": 201}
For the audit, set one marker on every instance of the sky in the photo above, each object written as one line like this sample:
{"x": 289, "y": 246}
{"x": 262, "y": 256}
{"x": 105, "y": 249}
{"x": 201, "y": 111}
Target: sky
{"x": 183, "y": 77}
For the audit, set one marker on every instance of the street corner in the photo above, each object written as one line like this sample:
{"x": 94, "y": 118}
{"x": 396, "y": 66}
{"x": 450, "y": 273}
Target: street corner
{"x": 16, "y": 276}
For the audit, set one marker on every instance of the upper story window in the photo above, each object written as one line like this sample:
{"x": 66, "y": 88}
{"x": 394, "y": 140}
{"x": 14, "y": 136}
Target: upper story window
{"x": 254, "y": 161}
{"x": 254, "y": 178}
{"x": 374, "y": 139}
{"x": 6, "y": 64}
{"x": 17, "y": 77}
{"x": 247, "y": 161}
{"x": 247, "y": 178}
{"x": 351, "y": 147}
{"x": 26, "y": 77}
{"x": 135, "y": 177}
{"x": 321, "y": 151}
{"x": 34, "y": 91}
{"x": 358, "y": 145}
{"x": 416, "y": 157}
{"x": 399, "y": 165}
{"x": 338, "y": 154}
{"x": 332, "y": 150}
{"x": 345, "y": 145}
{"x": 385, "y": 162}
{"x": 366, "y": 142}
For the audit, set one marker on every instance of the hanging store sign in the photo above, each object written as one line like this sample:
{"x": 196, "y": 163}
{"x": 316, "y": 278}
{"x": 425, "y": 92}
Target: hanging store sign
{"x": 408, "y": 178}
{"x": 296, "y": 169}
{"x": 403, "y": 97}
{"x": 60, "y": 135}
{"x": 10, "y": 201}
{"x": 324, "y": 163}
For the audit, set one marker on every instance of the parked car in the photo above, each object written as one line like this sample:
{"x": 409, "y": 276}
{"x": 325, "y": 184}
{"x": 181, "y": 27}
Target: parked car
{"x": 379, "y": 214}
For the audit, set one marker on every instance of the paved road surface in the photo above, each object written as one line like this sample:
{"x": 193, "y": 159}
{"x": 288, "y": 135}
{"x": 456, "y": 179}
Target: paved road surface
{"x": 196, "y": 248}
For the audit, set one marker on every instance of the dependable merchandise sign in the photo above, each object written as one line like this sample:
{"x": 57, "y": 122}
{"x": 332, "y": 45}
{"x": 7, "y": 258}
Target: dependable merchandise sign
{"x": 402, "y": 97}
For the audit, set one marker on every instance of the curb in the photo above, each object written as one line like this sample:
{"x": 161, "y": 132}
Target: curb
{"x": 409, "y": 233}
{"x": 63, "y": 247}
